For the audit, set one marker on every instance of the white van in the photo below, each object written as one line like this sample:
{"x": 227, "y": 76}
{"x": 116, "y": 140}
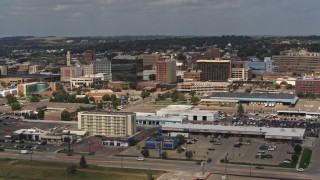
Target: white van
{"x": 79, "y": 140}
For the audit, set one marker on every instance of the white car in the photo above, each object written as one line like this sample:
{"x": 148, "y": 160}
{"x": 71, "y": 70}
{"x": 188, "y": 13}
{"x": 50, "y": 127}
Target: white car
{"x": 300, "y": 169}
{"x": 140, "y": 158}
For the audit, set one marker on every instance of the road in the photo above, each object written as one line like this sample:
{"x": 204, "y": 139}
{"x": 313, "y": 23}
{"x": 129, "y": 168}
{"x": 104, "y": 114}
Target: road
{"x": 188, "y": 168}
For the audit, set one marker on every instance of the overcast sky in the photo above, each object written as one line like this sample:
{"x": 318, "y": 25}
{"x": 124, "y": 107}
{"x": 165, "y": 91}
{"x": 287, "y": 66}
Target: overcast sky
{"x": 158, "y": 17}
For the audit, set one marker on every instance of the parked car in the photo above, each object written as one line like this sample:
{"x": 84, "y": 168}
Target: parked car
{"x": 290, "y": 152}
{"x": 287, "y": 161}
{"x": 209, "y": 160}
{"x": 140, "y": 158}
{"x": 259, "y": 167}
{"x": 268, "y": 156}
{"x": 300, "y": 169}
{"x": 217, "y": 143}
{"x": 1, "y": 149}
{"x": 211, "y": 149}
{"x": 237, "y": 145}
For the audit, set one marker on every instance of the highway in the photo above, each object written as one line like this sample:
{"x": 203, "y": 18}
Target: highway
{"x": 189, "y": 168}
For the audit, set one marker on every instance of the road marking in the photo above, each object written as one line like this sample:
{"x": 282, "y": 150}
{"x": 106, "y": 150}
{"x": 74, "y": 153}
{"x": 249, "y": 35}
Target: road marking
{"x": 118, "y": 161}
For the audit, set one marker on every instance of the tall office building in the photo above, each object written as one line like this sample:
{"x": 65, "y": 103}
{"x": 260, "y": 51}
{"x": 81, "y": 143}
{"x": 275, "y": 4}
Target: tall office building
{"x": 127, "y": 68}
{"x": 215, "y": 70}
{"x": 298, "y": 61}
{"x": 108, "y": 124}
{"x": 102, "y": 66}
{"x": 70, "y": 72}
{"x": 166, "y": 71}
{"x": 68, "y": 57}
{"x": 88, "y": 69}
{"x": 89, "y": 55}
{"x": 150, "y": 61}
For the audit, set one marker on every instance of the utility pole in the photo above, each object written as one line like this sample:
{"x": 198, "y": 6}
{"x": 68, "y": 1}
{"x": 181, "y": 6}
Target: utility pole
{"x": 225, "y": 168}
{"x": 250, "y": 168}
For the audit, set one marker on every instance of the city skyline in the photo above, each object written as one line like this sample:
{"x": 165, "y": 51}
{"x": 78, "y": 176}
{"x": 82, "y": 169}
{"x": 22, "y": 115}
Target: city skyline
{"x": 158, "y": 17}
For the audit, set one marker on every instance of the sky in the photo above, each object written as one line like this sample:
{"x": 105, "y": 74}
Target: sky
{"x": 158, "y": 17}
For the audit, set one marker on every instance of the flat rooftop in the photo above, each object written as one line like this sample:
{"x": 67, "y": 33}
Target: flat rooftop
{"x": 106, "y": 113}
{"x": 276, "y": 133}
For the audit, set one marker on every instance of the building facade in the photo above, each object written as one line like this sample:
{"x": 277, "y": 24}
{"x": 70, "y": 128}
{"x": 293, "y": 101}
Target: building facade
{"x": 204, "y": 87}
{"x": 88, "y": 69}
{"x": 166, "y": 71}
{"x": 242, "y": 73}
{"x": 298, "y": 62}
{"x": 127, "y": 68}
{"x": 89, "y": 55}
{"x": 150, "y": 61}
{"x": 70, "y": 72}
{"x": 194, "y": 76}
{"x": 102, "y": 66}
{"x": 215, "y": 70}
{"x": 107, "y": 124}
{"x": 307, "y": 86}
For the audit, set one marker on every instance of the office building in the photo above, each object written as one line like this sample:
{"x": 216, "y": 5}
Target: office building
{"x": 3, "y": 70}
{"x": 89, "y": 55}
{"x": 307, "y": 85}
{"x": 242, "y": 73}
{"x": 194, "y": 76}
{"x": 127, "y": 68}
{"x": 70, "y": 72}
{"x": 166, "y": 71}
{"x": 102, "y": 66}
{"x": 215, "y": 70}
{"x": 108, "y": 124}
{"x": 88, "y": 69}
{"x": 298, "y": 62}
{"x": 150, "y": 61}
{"x": 204, "y": 87}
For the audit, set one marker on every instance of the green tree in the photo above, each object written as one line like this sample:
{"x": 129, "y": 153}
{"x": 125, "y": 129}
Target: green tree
{"x": 152, "y": 77}
{"x": 167, "y": 94}
{"x": 181, "y": 138}
{"x": 192, "y": 93}
{"x": 145, "y": 152}
{"x": 106, "y": 97}
{"x": 100, "y": 106}
{"x": 182, "y": 98}
{"x": 15, "y": 106}
{"x": 11, "y": 99}
{"x": 277, "y": 86}
{"x": 240, "y": 109}
{"x": 91, "y": 99}
{"x": 125, "y": 87}
{"x": 144, "y": 94}
{"x": 71, "y": 170}
{"x": 113, "y": 97}
{"x": 295, "y": 158}
{"x": 34, "y": 99}
{"x": 41, "y": 114}
{"x": 297, "y": 148}
{"x": 3, "y": 84}
{"x": 189, "y": 155}
{"x": 117, "y": 90}
{"x": 248, "y": 90}
{"x": 164, "y": 155}
{"x": 195, "y": 100}
{"x": 65, "y": 116}
{"x": 180, "y": 150}
{"x": 83, "y": 162}
{"x": 289, "y": 86}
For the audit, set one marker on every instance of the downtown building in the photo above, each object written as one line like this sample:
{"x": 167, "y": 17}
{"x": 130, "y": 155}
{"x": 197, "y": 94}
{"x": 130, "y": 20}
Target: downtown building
{"x": 127, "y": 68}
{"x": 166, "y": 71}
{"x": 215, "y": 70}
{"x": 115, "y": 124}
{"x": 297, "y": 62}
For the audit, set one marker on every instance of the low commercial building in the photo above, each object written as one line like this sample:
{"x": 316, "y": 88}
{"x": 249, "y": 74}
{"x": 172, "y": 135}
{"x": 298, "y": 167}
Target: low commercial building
{"x": 308, "y": 86}
{"x": 275, "y": 98}
{"x": 4, "y": 93}
{"x": 191, "y": 113}
{"x": 116, "y": 142}
{"x": 39, "y": 88}
{"x": 288, "y": 134}
{"x": 194, "y": 75}
{"x": 162, "y": 143}
{"x": 204, "y": 87}
{"x": 242, "y": 73}
{"x": 85, "y": 81}
{"x": 113, "y": 124}
{"x": 159, "y": 120}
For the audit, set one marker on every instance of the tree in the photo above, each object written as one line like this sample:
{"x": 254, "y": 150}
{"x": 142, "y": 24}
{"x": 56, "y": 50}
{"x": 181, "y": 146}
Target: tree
{"x": 194, "y": 100}
{"x": 164, "y": 155}
{"x": 167, "y": 94}
{"x": 180, "y": 150}
{"x": 83, "y": 162}
{"x": 181, "y": 138}
{"x": 91, "y": 99}
{"x": 152, "y": 77}
{"x": 41, "y": 114}
{"x": 277, "y": 86}
{"x": 145, "y": 152}
{"x": 117, "y": 90}
{"x": 295, "y": 158}
{"x": 34, "y": 99}
{"x": 125, "y": 87}
{"x": 100, "y": 106}
{"x": 106, "y": 97}
{"x": 113, "y": 97}
{"x": 181, "y": 98}
{"x": 289, "y": 86}
{"x": 3, "y": 84}
{"x": 192, "y": 93}
{"x": 297, "y": 148}
{"x": 15, "y": 106}
{"x": 189, "y": 155}
{"x": 71, "y": 170}
{"x": 248, "y": 90}
{"x": 11, "y": 99}
{"x": 240, "y": 109}
{"x": 144, "y": 94}
{"x": 65, "y": 115}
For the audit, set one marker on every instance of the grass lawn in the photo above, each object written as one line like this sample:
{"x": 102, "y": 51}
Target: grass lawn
{"x": 25, "y": 169}
{"x": 305, "y": 158}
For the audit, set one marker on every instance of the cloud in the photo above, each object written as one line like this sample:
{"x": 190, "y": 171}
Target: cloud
{"x": 61, "y": 7}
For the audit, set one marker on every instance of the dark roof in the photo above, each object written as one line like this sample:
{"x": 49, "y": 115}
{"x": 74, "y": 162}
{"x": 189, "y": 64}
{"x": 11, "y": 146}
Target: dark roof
{"x": 253, "y": 95}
